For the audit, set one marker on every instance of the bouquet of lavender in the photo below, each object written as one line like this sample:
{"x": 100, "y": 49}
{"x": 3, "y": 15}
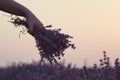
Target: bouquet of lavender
{"x": 45, "y": 36}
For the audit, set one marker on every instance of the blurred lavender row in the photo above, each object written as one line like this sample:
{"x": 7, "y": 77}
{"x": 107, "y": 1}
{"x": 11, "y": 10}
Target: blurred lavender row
{"x": 45, "y": 71}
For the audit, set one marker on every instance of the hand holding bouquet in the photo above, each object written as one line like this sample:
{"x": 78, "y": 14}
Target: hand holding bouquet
{"x": 50, "y": 42}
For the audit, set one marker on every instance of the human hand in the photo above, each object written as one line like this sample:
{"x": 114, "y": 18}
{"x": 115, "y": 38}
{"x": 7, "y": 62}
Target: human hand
{"x": 32, "y": 22}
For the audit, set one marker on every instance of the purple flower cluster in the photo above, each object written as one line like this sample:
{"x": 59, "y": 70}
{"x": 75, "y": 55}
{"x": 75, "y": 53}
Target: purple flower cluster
{"x": 46, "y": 71}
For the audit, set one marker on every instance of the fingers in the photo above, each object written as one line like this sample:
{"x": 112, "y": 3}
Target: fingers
{"x": 34, "y": 24}
{"x": 30, "y": 27}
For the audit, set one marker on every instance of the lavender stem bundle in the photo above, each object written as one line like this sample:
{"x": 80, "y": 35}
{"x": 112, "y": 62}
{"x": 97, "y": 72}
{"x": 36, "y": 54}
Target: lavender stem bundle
{"x": 44, "y": 37}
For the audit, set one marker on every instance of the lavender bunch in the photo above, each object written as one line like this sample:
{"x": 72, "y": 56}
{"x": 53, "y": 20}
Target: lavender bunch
{"x": 44, "y": 37}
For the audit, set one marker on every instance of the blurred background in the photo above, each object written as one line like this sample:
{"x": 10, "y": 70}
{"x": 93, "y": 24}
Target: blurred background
{"x": 94, "y": 24}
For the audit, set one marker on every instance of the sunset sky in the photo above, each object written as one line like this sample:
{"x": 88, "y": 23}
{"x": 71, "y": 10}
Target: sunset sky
{"x": 94, "y": 24}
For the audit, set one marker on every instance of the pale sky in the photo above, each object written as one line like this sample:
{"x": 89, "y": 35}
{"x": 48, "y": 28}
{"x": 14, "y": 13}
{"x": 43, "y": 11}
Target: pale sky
{"x": 94, "y": 24}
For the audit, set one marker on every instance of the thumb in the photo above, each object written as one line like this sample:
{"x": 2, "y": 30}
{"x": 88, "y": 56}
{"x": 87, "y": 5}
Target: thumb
{"x": 30, "y": 28}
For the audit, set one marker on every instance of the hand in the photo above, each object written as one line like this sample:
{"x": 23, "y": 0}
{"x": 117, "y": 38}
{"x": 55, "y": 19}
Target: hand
{"x": 33, "y": 22}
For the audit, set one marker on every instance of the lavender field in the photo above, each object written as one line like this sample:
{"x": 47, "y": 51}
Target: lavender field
{"x": 46, "y": 71}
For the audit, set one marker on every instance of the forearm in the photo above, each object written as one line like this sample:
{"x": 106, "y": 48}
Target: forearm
{"x": 10, "y": 6}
